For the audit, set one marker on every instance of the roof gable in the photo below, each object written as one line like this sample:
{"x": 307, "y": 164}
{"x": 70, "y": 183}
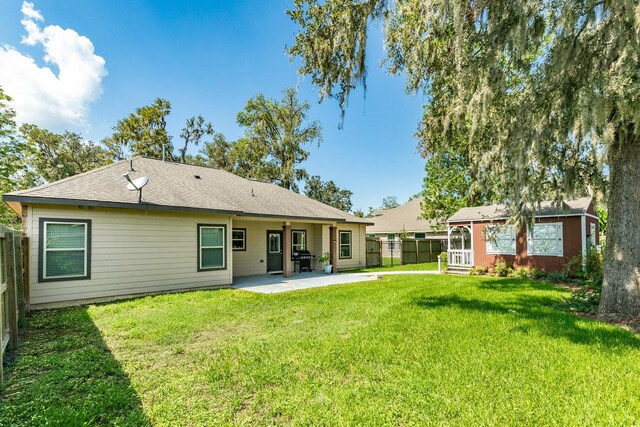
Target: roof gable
{"x": 407, "y": 217}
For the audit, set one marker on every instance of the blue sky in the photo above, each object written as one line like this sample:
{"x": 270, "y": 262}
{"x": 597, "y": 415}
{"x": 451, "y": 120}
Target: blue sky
{"x": 208, "y": 58}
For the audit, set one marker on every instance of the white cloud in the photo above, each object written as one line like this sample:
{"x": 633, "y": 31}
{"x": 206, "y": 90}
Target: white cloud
{"x": 56, "y": 101}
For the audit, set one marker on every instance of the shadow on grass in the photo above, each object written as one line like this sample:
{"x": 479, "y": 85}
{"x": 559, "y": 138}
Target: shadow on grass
{"x": 64, "y": 374}
{"x": 510, "y": 284}
{"x": 536, "y": 313}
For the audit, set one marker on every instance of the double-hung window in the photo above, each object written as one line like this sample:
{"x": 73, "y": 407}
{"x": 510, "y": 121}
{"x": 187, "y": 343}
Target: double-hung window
{"x": 64, "y": 247}
{"x": 298, "y": 240}
{"x": 211, "y": 247}
{"x": 545, "y": 239}
{"x": 501, "y": 239}
{"x": 345, "y": 244}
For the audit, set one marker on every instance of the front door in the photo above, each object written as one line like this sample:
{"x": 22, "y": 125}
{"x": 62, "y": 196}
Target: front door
{"x": 274, "y": 251}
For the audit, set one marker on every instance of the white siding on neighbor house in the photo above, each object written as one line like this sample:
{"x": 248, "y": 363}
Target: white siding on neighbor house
{"x": 253, "y": 260}
{"x": 132, "y": 252}
{"x": 358, "y": 246}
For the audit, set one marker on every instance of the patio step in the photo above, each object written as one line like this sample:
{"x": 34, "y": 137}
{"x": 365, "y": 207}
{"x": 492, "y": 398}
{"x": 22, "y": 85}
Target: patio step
{"x": 458, "y": 270}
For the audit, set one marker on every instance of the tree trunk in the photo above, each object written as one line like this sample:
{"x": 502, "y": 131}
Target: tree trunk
{"x": 621, "y": 285}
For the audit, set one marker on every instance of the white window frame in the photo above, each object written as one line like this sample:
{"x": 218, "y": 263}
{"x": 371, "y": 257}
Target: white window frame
{"x": 45, "y": 250}
{"x": 223, "y": 246}
{"x": 491, "y": 250}
{"x": 244, "y": 239}
{"x": 559, "y": 239}
{"x": 297, "y": 247}
{"x": 340, "y": 244}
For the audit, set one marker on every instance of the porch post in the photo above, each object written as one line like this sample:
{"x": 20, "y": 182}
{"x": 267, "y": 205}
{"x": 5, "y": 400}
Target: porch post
{"x": 449, "y": 243}
{"x": 287, "y": 264}
{"x": 333, "y": 247}
{"x": 472, "y": 250}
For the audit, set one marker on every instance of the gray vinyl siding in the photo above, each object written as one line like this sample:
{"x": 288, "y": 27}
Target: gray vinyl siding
{"x": 132, "y": 252}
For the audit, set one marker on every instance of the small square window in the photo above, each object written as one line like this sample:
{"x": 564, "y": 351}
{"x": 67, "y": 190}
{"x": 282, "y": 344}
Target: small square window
{"x": 545, "y": 239}
{"x": 500, "y": 239}
{"x": 239, "y": 239}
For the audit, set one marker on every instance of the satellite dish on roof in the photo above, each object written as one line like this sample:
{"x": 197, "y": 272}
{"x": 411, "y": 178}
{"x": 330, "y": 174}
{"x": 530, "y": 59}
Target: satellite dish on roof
{"x": 136, "y": 184}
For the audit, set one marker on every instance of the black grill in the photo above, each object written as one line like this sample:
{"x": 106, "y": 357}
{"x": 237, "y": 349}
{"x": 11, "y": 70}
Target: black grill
{"x": 303, "y": 259}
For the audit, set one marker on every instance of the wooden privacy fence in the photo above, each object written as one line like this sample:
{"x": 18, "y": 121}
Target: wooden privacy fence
{"x": 13, "y": 295}
{"x": 415, "y": 251}
{"x": 374, "y": 253}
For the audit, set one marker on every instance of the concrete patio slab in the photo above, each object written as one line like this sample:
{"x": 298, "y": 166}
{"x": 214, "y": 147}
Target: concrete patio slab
{"x": 273, "y": 284}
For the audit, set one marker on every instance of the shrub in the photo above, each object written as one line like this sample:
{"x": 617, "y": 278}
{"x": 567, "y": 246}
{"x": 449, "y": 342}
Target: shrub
{"x": 481, "y": 271}
{"x": 522, "y": 273}
{"x": 443, "y": 257}
{"x": 537, "y": 273}
{"x": 573, "y": 268}
{"x": 478, "y": 271}
{"x": 501, "y": 269}
{"x": 557, "y": 276}
{"x": 594, "y": 270}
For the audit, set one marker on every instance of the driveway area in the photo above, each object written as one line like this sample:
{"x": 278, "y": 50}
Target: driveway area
{"x": 273, "y": 284}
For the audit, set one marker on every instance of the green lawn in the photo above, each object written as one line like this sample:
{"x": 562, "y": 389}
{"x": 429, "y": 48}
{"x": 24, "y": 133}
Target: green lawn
{"x": 403, "y": 350}
{"x": 398, "y": 267}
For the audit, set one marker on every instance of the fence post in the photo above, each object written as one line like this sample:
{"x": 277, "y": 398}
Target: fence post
{"x": 3, "y": 233}
{"x": 25, "y": 274}
{"x": 11, "y": 291}
{"x": 19, "y": 275}
{"x": 439, "y": 265}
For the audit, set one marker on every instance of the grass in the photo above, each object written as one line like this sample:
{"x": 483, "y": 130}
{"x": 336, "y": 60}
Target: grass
{"x": 403, "y": 350}
{"x": 386, "y": 266}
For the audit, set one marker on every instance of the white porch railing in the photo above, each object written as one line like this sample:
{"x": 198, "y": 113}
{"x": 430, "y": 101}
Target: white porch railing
{"x": 460, "y": 257}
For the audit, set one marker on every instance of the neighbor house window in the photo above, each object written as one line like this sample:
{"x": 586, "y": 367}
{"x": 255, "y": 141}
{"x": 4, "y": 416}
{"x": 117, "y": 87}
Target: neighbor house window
{"x": 211, "y": 247}
{"x": 239, "y": 239}
{"x": 420, "y": 235}
{"x": 345, "y": 244}
{"x": 592, "y": 236}
{"x": 298, "y": 240}
{"x": 64, "y": 247}
{"x": 545, "y": 239}
{"x": 501, "y": 239}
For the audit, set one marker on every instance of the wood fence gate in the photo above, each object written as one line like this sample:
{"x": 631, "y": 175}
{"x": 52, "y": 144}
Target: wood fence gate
{"x": 13, "y": 295}
{"x": 374, "y": 253}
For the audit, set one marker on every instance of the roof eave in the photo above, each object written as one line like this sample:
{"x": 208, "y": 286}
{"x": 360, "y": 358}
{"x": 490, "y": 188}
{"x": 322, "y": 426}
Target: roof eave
{"x": 302, "y": 218}
{"x": 116, "y": 205}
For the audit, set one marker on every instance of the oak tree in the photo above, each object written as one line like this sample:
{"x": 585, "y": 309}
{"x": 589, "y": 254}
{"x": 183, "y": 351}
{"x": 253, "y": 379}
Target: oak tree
{"x": 546, "y": 93}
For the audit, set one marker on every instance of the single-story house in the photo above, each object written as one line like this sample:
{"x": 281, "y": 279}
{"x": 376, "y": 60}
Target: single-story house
{"x": 92, "y": 239}
{"x": 479, "y": 236}
{"x": 390, "y": 225}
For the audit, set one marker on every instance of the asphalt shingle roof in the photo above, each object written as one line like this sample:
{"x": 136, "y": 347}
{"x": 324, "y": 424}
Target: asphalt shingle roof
{"x": 407, "y": 217}
{"x": 493, "y": 212}
{"x": 178, "y": 186}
